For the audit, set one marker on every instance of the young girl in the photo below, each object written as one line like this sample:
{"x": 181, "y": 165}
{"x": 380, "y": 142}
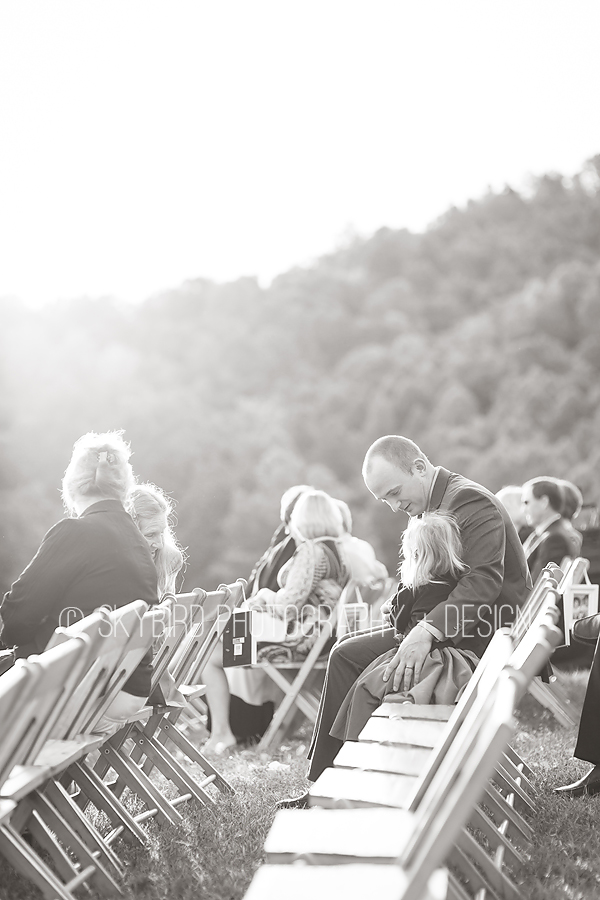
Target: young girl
{"x": 431, "y": 565}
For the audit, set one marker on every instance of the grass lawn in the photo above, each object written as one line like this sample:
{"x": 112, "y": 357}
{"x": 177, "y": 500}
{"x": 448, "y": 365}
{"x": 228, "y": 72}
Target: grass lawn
{"x": 215, "y": 854}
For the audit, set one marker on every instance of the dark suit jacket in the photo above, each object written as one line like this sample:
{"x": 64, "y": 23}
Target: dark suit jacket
{"x": 560, "y": 539}
{"x": 497, "y": 583}
{"x": 99, "y": 558}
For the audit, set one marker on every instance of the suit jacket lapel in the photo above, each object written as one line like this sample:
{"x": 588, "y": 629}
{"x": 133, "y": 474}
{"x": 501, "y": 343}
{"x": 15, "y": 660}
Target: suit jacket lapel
{"x": 439, "y": 488}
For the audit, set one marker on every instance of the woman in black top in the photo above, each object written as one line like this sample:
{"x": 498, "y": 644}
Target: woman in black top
{"x": 95, "y": 557}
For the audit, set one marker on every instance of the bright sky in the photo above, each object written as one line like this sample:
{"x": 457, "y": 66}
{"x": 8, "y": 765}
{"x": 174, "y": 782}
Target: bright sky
{"x": 146, "y": 142}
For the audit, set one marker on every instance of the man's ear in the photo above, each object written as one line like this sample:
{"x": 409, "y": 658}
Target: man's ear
{"x": 419, "y": 466}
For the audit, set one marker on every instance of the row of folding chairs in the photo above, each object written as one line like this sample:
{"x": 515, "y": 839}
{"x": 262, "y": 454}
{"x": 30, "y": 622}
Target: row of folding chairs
{"x": 550, "y": 693}
{"x": 54, "y": 752}
{"x": 423, "y": 788}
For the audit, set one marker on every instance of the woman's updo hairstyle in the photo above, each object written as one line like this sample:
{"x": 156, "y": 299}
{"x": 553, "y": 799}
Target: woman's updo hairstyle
{"x": 99, "y": 468}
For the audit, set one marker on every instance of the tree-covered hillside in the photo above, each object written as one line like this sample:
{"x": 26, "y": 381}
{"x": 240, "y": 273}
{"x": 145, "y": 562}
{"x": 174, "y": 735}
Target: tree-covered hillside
{"x": 479, "y": 339}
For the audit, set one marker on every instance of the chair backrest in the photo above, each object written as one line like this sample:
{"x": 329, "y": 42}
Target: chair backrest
{"x": 184, "y": 612}
{"x": 194, "y": 653}
{"x": 17, "y": 689}
{"x": 537, "y": 600}
{"x": 481, "y": 684}
{"x": 56, "y": 673}
{"x": 460, "y": 781}
{"x": 96, "y": 627}
{"x": 141, "y": 637}
{"x": 537, "y": 646}
{"x": 576, "y": 573}
{"x": 119, "y": 626}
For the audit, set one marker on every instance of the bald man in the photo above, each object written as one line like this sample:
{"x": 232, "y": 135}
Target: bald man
{"x": 487, "y": 596}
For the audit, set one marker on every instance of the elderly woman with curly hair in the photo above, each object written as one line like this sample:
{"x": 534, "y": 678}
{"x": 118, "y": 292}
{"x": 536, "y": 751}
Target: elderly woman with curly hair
{"x": 287, "y": 620}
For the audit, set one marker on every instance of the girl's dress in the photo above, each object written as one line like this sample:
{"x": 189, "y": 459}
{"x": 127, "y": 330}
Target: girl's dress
{"x": 445, "y": 672}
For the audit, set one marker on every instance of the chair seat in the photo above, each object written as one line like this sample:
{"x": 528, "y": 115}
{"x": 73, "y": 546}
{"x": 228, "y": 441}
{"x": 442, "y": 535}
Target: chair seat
{"x": 294, "y": 664}
{"x": 395, "y": 705}
{"x": 23, "y": 780}
{"x": 419, "y": 733}
{"x": 59, "y": 755}
{"x": 383, "y": 757}
{"x": 339, "y": 836}
{"x": 6, "y": 808}
{"x": 192, "y": 691}
{"x": 352, "y": 882}
{"x": 345, "y": 788}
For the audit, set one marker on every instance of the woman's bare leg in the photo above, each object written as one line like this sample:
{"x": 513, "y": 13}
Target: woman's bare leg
{"x": 218, "y": 699}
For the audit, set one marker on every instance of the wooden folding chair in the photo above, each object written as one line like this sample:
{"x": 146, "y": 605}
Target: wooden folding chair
{"x": 110, "y": 634}
{"x": 295, "y": 679}
{"x": 152, "y": 738}
{"x": 550, "y": 694}
{"x": 417, "y": 842}
{"x": 54, "y": 676}
{"x": 482, "y": 869}
{"x": 141, "y": 745}
{"x": 418, "y": 729}
{"x": 54, "y": 818}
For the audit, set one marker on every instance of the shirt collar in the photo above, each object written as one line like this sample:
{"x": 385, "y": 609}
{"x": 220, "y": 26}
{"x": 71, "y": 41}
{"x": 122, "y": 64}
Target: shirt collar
{"x": 541, "y": 528}
{"x": 431, "y": 486}
{"x": 107, "y": 505}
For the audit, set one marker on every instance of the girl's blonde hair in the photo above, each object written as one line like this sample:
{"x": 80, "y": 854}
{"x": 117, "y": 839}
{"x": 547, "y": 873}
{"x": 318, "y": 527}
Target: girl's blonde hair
{"x": 99, "y": 467}
{"x": 317, "y": 515}
{"x": 144, "y": 503}
{"x": 431, "y": 547}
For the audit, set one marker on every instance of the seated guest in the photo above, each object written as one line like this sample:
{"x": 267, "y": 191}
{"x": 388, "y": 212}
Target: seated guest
{"x": 511, "y": 497}
{"x": 288, "y": 620}
{"x": 252, "y": 694}
{"x": 150, "y": 508}
{"x": 95, "y": 557}
{"x": 430, "y": 569}
{"x": 282, "y": 546}
{"x": 486, "y": 595}
{"x": 572, "y": 503}
{"x": 551, "y": 540}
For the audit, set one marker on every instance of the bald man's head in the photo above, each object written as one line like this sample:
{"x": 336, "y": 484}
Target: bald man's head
{"x": 397, "y": 472}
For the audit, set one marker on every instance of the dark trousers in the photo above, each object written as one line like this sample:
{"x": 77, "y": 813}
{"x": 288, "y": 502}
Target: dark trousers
{"x": 588, "y": 739}
{"x": 347, "y": 660}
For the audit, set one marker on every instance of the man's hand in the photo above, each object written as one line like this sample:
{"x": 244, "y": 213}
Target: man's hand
{"x": 408, "y": 661}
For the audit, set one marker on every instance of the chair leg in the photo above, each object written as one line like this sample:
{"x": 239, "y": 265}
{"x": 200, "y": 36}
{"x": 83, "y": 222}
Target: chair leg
{"x": 96, "y": 792}
{"x": 172, "y": 770}
{"x": 168, "y": 730}
{"x": 59, "y": 830}
{"x": 545, "y": 695}
{"x": 25, "y": 861}
{"x": 140, "y": 784}
{"x": 58, "y": 798}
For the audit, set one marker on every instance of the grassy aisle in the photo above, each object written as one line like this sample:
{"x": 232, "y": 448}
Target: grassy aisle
{"x": 215, "y": 854}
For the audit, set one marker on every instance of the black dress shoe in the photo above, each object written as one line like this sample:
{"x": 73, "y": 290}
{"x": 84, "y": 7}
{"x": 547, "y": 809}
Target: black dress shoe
{"x": 588, "y": 785}
{"x": 293, "y": 802}
{"x": 586, "y": 630}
